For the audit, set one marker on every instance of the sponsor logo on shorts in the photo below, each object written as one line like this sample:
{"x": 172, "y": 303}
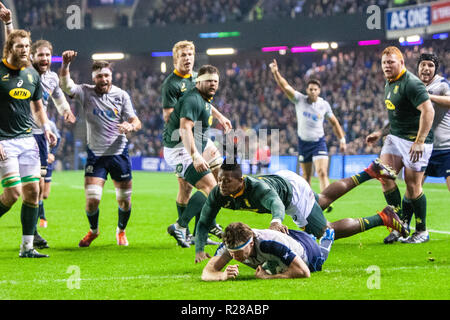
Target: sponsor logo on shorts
{"x": 179, "y": 168}
{"x": 322, "y": 152}
{"x": 448, "y": 171}
{"x": 300, "y": 158}
{"x": 125, "y": 175}
{"x": 90, "y": 169}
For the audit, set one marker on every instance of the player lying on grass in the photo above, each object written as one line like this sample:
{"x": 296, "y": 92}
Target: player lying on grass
{"x": 273, "y": 254}
{"x": 287, "y": 192}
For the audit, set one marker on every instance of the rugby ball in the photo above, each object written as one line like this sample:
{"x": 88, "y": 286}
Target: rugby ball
{"x": 271, "y": 267}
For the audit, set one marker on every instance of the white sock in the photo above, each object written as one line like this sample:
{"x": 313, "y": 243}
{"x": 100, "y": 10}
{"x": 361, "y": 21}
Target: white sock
{"x": 179, "y": 227}
{"x": 95, "y": 231}
{"x": 118, "y": 230}
{"x": 27, "y": 242}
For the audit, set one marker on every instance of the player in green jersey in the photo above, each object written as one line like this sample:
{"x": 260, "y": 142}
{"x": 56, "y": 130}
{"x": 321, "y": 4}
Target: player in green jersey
{"x": 285, "y": 192}
{"x": 180, "y": 81}
{"x": 409, "y": 142}
{"x": 184, "y": 142}
{"x": 20, "y": 97}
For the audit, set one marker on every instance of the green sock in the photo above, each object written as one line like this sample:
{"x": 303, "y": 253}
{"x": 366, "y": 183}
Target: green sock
{"x": 180, "y": 208}
{"x": 419, "y": 206}
{"x": 370, "y": 222}
{"x": 394, "y": 198}
{"x": 29, "y": 216}
{"x": 407, "y": 209}
{"x": 193, "y": 208}
{"x": 3, "y": 209}
{"x": 361, "y": 177}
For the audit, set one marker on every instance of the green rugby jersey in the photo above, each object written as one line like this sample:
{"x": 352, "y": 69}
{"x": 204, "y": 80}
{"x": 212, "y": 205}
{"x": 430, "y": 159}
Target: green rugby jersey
{"x": 402, "y": 97}
{"x": 194, "y": 107}
{"x": 174, "y": 86}
{"x": 262, "y": 194}
{"x": 17, "y": 89}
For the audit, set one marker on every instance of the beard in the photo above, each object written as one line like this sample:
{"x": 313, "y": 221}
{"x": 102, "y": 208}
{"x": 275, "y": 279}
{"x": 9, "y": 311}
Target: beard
{"x": 18, "y": 62}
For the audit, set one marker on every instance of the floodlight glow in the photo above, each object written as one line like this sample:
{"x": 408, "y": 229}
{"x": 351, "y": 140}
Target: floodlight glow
{"x": 270, "y": 49}
{"x": 163, "y": 67}
{"x": 302, "y": 49}
{"x": 368, "y": 42}
{"x": 220, "y": 51}
{"x": 414, "y": 38}
{"x": 320, "y": 45}
{"x": 162, "y": 54}
{"x": 108, "y": 56}
{"x": 440, "y": 36}
{"x": 333, "y": 45}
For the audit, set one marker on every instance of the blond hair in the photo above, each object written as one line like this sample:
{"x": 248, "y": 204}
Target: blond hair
{"x": 393, "y": 50}
{"x": 10, "y": 40}
{"x": 181, "y": 45}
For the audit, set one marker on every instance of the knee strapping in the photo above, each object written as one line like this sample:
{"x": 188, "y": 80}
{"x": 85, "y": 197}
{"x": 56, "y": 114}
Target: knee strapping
{"x": 123, "y": 194}
{"x": 217, "y": 162}
{"x": 94, "y": 191}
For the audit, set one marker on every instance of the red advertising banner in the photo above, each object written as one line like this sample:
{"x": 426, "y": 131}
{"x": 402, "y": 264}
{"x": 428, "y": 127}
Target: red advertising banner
{"x": 440, "y": 12}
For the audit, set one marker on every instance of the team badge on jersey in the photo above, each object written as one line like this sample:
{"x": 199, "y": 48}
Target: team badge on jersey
{"x": 396, "y": 89}
{"x": 30, "y": 78}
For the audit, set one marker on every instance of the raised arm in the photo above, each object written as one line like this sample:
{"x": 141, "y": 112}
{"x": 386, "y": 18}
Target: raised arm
{"x": 282, "y": 83}
{"x": 67, "y": 84}
{"x": 6, "y": 17}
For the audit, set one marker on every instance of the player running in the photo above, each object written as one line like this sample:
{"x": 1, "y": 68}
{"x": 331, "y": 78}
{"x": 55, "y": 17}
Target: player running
{"x": 109, "y": 117}
{"x": 273, "y": 254}
{"x": 285, "y": 192}
{"x": 410, "y": 140}
{"x": 20, "y": 99}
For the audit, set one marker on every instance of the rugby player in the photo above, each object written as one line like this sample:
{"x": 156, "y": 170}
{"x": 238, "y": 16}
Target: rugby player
{"x": 109, "y": 117}
{"x": 409, "y": 140}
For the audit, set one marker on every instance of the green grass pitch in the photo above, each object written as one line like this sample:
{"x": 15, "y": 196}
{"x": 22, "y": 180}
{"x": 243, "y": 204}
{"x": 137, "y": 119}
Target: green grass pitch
{"x": 152, "y": 267}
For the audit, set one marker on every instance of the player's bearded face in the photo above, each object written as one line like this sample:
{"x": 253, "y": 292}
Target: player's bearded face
{"x": 392, "y": 65}
{"x": 42, "y": 59}
{"x": 20, "y": 53}
{"x": 103, "y": 82}
{"x": 426, "y": 70}
{"x": 208, "y": 88}
{"x": 185, "y": 61}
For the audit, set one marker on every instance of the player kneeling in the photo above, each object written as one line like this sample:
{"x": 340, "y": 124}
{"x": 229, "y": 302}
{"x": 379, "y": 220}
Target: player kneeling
{"x": 273, "y": 254}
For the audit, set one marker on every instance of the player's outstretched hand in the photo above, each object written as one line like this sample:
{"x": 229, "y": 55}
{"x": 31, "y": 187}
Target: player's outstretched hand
{"x": 279, "y": 227}
{"x": 273, "y": 66}
{"x": 5, "y": 13}
{"x": 125, "y": 127}
{"x": 200, "y": 256}
{"x": 372, "y": 138}
{"x": 261, "y": 273}
{"x": 200, "y": 163}
{"x": 68, "y": 56}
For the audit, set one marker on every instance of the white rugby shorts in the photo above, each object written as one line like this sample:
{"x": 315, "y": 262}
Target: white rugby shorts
{"x": 22, "y": 157}
{"x": 400, "y": 147}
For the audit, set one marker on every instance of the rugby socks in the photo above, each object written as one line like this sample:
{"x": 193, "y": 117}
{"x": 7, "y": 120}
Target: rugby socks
{"x": 393, "y": 198}
{"x": 41, "y": 210}
{"x": 124, "y": 216}
{"x": 93, "y": 220}
{"x": 28, "y": 216}
{"x": 361, "y": 177}
{"x": 370, "y": 222}
{"x": 193, "y": 208}
{"x": 408, "y": 210}
{"x": 180, "y": 208}
{"x": 3, "y": 209}
{"x": 419, "y": 206}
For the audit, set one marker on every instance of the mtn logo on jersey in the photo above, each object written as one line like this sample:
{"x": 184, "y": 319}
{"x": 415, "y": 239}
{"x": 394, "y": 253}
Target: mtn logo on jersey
{"x": 20, "y": 93}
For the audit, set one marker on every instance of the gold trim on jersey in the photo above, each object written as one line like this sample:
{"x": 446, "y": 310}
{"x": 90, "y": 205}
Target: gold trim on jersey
{"x": 10, "y": 66}
{"x": 186, "y": 76}
{"x": 399, "y": 75}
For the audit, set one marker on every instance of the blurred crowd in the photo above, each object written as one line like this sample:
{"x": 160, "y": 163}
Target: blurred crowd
{"x": 51, "y": 14}
{"x": 352, "y": 82}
